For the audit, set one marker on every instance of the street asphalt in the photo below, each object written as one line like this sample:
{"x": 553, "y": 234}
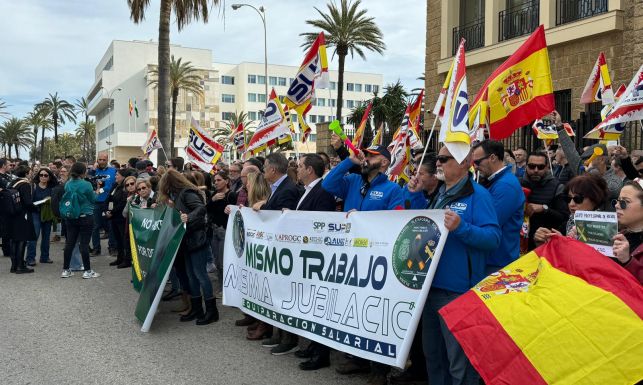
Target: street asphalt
{"x": 83, "y": 331}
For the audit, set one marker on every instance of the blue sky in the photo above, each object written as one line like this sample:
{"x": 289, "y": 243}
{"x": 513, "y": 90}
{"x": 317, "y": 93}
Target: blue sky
{"x": 54, "y": 46}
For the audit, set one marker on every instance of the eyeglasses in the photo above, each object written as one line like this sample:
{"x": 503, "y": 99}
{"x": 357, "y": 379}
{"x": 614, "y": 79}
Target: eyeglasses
{"x": 141, "y": 188}
{"x": 622, "y": 203}
{"x": 478, "y": 161}
{"x": 578, "y": 199}
{"x": 43, "y": 175}
{"x": 130, "y": 184}
{"x": 536, "y": 166}
{"x": 443, "y": 158}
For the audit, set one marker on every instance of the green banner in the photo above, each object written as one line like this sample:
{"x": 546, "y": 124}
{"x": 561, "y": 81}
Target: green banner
{"x": 162, "y": 229}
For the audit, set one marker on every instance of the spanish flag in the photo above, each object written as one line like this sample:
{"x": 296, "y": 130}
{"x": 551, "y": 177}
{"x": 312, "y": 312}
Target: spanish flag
{"x": 599, "y": 85}
{"x": 561, "y": 314}
{"x": 519, "y": 91}
{"x": 359, "y": 134}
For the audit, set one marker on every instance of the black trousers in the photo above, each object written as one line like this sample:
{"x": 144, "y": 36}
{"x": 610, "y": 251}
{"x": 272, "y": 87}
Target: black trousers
{"x": 118, "y": 229}
{"x": 79, "y": 230}
{"x": 18, "y": 252}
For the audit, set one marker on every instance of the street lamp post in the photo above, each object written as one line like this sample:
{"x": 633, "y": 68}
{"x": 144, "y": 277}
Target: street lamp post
{"x": 109, "y": 122}
{"x": 262, "y": 14}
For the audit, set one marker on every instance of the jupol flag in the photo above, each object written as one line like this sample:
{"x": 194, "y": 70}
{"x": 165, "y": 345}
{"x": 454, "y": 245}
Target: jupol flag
{"x": 628, "y": 108}
{"x": 202, "y": 150}
{"x": 561, "y": 314}
{"x": 238, "y": 137}
{"x": 454, "y": 132}
{"x": 130, "y": 106}
{"x": 518, "y": 91}
{"x": 152, "y": 143}
{"x": 135, "y": 108}
{"x": 359, "y": 134}
{"x": 544, "y": 132}
{"x": 313, "y": 73}
{"x": 599, "y": 84}
{"x": 273, "y": 127}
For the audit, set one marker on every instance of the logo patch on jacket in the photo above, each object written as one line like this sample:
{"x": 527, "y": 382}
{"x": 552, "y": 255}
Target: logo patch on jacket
{"x": 459, "y": 207}
{"x": 376, "y": 195}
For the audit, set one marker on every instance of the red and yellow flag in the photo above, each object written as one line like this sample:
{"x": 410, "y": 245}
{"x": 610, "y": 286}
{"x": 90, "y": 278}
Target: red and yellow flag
{"x": 599, "y": 85}
{"x": 359, "y": 134}
{"x": 519, "y": 91}
{"x": 561, "y": 314}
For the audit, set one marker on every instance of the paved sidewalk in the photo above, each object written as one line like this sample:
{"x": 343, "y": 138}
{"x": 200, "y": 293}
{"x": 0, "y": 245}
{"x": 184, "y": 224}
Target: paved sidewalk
{"x": 77, "y": 331}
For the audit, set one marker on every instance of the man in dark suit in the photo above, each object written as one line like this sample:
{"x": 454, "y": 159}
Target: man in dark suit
{"x": 310, "y": 169}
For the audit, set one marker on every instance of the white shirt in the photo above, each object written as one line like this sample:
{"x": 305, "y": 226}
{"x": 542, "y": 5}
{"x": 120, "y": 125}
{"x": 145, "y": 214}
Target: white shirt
{"x": 308, "y": 188}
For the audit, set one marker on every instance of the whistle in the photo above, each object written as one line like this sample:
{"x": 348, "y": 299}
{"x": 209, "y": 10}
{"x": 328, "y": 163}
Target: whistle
{"x": 335, "y": 127}
{"x": 597, "y": 152}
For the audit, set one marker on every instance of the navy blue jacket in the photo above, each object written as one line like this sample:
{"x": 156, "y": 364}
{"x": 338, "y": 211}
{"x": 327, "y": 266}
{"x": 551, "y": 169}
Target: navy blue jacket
{"x": 382, "y": 194}
{"x": 108, "y": 182}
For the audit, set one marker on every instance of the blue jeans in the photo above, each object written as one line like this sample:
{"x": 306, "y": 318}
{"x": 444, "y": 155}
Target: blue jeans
{"x": 76, "y": 262}
{"x": 445, "y": 360}
{"x": 44, "y": 229}
{"x": 195, "y": 264}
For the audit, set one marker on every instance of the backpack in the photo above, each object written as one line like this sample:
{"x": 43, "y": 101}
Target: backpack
{"x": 10, "y": 199}
{"x": 69, "y": 205}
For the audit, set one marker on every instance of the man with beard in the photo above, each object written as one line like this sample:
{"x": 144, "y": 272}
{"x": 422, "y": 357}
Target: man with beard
{"x": 547, "y": 207}
{"x": 103, "y": 189}
{"x": 371, "y": 190}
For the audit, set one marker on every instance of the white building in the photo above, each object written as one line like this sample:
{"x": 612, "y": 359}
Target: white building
{"x": 123, "y": 74}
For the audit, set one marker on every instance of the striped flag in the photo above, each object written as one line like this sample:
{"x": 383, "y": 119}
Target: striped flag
{"x": 359, "y": 134}
{"x": 561, "y": 314}
{"x": 130, "y": 106}
{"x": 274, "y": 127}
{"x": 202, "y": 149}
{"x": 599, "y": 85}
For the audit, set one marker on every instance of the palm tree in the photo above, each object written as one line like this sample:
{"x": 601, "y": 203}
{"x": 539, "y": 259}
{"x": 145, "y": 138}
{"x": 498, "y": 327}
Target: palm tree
{"x": 3, "y": 106}
{"x": 349, "y": 31}
{"x": 185, "y": 11}
{"x": 84, "y": 132}
{"x": 183, "y": 76}
{"x": 82, "y": 107}
{"x": 390, "y": 108}
{"x": 38, "y": 120}
{"x": 59, "y": 110}
{"x": 14, "y": 132}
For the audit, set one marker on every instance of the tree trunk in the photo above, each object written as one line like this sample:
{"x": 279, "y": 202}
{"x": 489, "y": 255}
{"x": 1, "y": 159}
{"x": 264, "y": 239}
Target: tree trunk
{"x": 55, "y": 119}
{"x": 9, "y": 152}
{"x": 341, "y": 54}
{"x": 42, "y": 146}
{"x": 164, "y": 78}
{"x": 35, "y": 143}
{"x": 175, "y": 98}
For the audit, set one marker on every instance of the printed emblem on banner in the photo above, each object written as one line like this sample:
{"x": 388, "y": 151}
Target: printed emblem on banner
{"x": 413, "y": 251}
{"x": 238, "y": 234}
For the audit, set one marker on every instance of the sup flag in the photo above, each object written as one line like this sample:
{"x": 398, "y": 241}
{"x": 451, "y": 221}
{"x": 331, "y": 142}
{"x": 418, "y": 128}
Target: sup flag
{"x": 202, "y": 150}
{"x": 544, "y": 132}
{"x": 454, "y": 132}
{"x": 400, "y": 149}
{"x": 238, "y": 137}
{"x": 274, "y": 127}
{"x": 152, "y": 143}
{"x": 599, "y": 84}
{"x": 628, "y": 108}
{"x": 563, "y": 313}
{"x": 519, "y": 91}
{"x": 413, "y": 122}
{"x": 359, "y": 134}
{"x": 312, "y": 73}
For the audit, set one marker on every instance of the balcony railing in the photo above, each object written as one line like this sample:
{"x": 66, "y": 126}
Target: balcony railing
{"x": 568, "y": 11}
{"x": 518, "y": 21}
{"x": 473, "y": 33}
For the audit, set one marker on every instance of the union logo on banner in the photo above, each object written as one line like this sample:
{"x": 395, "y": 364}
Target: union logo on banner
{"x": 516, "y": 91}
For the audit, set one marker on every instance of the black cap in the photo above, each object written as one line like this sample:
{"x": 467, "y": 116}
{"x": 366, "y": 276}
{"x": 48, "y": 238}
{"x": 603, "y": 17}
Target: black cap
{"x": 379, "y": 150}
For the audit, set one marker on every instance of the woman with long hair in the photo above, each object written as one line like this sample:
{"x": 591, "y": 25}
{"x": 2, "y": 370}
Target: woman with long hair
{"x": 176, "y": 191}
{"x": 79, "y": 228}
{"x": 42, "y": 215}
{"x": 116, "y": 202}
{"x": 628, "y": 244}
{"x": 219, "y": 220}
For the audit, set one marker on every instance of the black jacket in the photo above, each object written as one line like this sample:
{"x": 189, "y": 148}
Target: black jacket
{"x": 56, "y": 195}
{"x": 551, "y": 193}
{"x": 118, "y": 198}
{"x": 285, "y": 197}
{"x": 191, "y": 203}
{"x": 21, "y": 226}
{"x": 318, "y": 199}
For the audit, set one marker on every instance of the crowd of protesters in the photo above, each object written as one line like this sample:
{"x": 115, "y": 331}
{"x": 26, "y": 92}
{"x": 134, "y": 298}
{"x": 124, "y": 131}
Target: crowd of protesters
{"x": 489, "y": 197}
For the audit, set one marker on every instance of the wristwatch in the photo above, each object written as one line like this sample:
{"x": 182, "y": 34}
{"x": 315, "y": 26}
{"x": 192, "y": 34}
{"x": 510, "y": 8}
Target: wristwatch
{"x": 545, "y": 207}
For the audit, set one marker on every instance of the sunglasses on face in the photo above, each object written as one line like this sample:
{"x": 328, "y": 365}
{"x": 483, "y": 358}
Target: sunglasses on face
{"x": 536, "y": 166}
{"x": 44, "y": 175}
{"x": 141, "y": 188}
{"x": 129, "y": 184}
{"x": 622, "y": 203}
{"x": 443, "y": 158}
{"x": 478, "y": 161}
{"x": 578, "y": 199}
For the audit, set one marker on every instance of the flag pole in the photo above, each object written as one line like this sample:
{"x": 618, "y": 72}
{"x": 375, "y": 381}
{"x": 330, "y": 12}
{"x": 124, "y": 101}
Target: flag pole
{"x": 426, "y": 146}
{"x": 551, "y": 168}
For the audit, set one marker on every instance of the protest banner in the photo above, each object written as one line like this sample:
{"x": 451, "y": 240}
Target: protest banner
{"x": 155, "y": 236}
{"x": 597, "y": 228}
{"x": 356, "y": 284}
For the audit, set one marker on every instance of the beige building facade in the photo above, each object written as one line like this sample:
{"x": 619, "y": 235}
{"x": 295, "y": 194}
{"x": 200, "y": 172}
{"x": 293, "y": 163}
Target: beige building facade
{"x": 576, "y": 32}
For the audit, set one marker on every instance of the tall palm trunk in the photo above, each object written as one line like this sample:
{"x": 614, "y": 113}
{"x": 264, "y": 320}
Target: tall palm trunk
{"x": 341, "y": 54}
{"x": 35, "y": 143}
{"x": 164, "y": 77}
{"x": 9, "y": 152}
{"x": 42, "y": 145}
{"x": 55, "y": 119}
{"x": 175, "y": 98}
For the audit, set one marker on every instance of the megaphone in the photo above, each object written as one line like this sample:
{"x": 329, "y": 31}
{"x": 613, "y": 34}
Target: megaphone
{"x": 597, "y": 152}
{"x": 335, "y": 127}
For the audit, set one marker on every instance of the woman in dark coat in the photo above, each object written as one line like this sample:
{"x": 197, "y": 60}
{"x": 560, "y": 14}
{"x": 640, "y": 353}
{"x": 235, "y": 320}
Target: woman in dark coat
{"x": 116, "y": 202}
{"x": 21, "y": 229}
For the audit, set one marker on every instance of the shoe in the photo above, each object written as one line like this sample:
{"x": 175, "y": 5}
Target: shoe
{"x": 32, "y": 264}
{"x": 271, "y": 342}
{"x": 116, "y": 262}
{"x": 170, "y": 296}
{"x": 196, "y": 310}
{"x": 95, "y": 253}
{"x": 56, "y": 238}
{"x": 23, "y": 269}
{"x": 211, "y": 313}
{"x": 245, "y": 321}
{"x": 377, "y": 379}
{"x": 253, "y": 326}
{"x": 305, "y": 353}
{"x": 283, "y": 349}
{"x": 353, "y": 366}
{"x": 210, "y": 267}
{"x": 262, "y": 331}
{"x": 90, "y": 274}
{"x": 314, "y": 363}
{"x": 66, "y": 274}
{"x": 124, "y": 265}
{"x": 47, "y": 261}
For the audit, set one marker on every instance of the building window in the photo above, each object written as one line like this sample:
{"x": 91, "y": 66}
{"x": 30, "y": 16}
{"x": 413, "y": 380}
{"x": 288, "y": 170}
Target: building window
{"x": 321, "y": 102}
{"x": 471, "y": 26}
{"x": 252, "y": 97}
{"x": 358, "y": 87}
{"x": 227, "y": 98}
{"x": 376, "y": 88}
{"x": 252, "y": 79}
{"x": 350, "y": 104}
{"x": 313, "y": 118}
{"x": 350, "y": 87}
{"x": 313, "y": 101}
{"x": 332, "y": 102}
{"x": 227, "y": 79}
{"x": 261, "y": 98}
{"x": 333, "y": 86}
{"x": 368, "y": 88}
{"x": 281, "y": 81}
{"x": 272, "y": 80}
{"x": 227, "y": 115}
{"x": 520, "y": 18}
{"x": 321, "y": 119}
{"x": 261, "y": 79}
{"x": 568, "y": 11}
{"x": 252, "y": 115}
{"x": 290, "y": 80}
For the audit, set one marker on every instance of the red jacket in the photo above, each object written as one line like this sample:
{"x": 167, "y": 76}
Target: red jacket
{"x": 635, "y": 265}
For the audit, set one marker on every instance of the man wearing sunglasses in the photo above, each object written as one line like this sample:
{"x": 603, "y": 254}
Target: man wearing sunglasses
{"x": 547, "y": 207}
{"x": 508, "y": 200}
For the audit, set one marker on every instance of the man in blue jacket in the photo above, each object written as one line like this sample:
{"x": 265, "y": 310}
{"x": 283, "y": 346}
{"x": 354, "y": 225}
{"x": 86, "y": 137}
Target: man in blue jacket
{"x": 473, "y": 233}
{"x": 104, "y": 187}
{"x": 508, "y": 200}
